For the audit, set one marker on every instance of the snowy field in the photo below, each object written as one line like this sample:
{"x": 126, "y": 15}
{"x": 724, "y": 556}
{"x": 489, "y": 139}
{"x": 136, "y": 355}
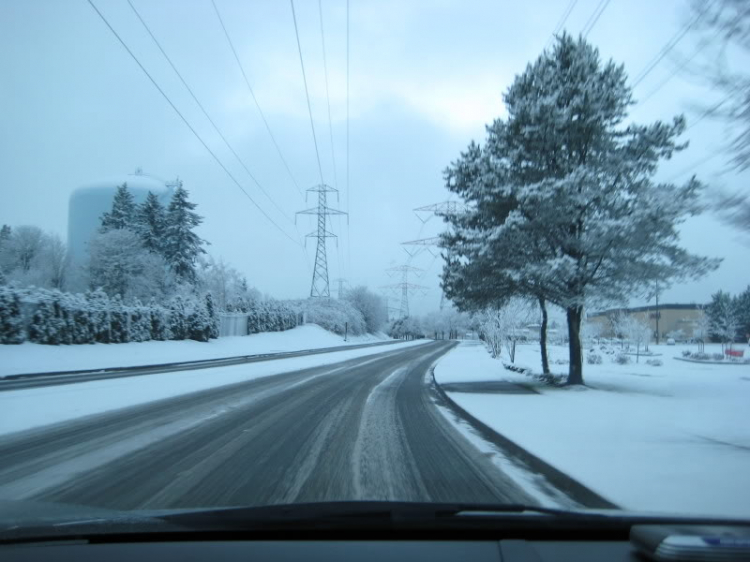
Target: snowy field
{"x": 674, "y": 438}
{"x": 35, "y": 407}
{"x": 36, "y": 358}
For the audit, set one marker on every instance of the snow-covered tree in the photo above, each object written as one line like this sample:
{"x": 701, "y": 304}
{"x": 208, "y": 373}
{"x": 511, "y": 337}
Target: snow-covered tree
{"x": 723, "y": 318}
{"x": 121, "y": 266}
{"x": 182, "y": 246}
{"x": 151, "y": 221}
{"x": 505, "y": 326}
{"x": 11, "y": 321}
{"x": 371, "y": 305}
{"x": 21, "y": 248}
{"x": 566, "y": 199}
{"x": 123, "y": 213}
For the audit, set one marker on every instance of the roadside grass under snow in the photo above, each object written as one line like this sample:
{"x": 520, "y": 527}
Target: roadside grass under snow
{"x": 35, "y": 358}
{"x": 674, "y": 438}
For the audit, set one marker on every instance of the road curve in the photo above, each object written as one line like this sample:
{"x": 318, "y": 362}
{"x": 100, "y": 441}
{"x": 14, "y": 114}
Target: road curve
{"x": 362, "y": 429}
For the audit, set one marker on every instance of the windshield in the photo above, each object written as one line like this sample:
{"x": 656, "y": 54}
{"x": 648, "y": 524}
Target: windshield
{"x": 274, "y": 253}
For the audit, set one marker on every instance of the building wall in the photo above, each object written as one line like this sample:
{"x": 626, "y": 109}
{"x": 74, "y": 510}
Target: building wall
{"x": 671, "y": 318}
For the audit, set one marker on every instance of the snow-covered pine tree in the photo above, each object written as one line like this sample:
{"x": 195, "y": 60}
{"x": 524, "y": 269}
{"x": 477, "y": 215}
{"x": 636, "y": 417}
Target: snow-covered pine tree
{"x": 11, "y": 321}
{"x": 151, "y": 219}
{"x": 123, "y": 213}
{"x": 182, "y": 246}
{"x": 571, "y": 181}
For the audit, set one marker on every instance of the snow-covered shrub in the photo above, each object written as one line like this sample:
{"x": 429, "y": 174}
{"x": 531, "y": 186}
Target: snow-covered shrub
{"x": 213, "y": 317}
{"x": 593, "y": 359}
{"x": 334, "y": 315}
{"x": 654, "y": 362}
{"x": 11, "y": 320}
{"x": 178, "y": 324}
{"x": 700, "y": 356}
{"x": 622, "y": 359}
{"x": 119, "y": 317}
{"x": 686, "y": 353}
{"x": 139, "y": 325}
{"x": 717, "y": 357}
{"x": 561, "y": 362}
{"x": 159, "y": 317}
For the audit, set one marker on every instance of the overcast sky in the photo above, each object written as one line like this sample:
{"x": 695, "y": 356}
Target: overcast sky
{"x": 425, "y": 77}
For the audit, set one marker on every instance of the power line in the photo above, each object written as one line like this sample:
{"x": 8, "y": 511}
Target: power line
{"x": 307, "y": 93}
{"x": 328, "y": 96}
{"x": 255, "y": 100}
{"x": 561, "y": 22}
{"x": 596, "y": 14}
{"x": 668, "y": 46}
{"x": 709, "y": 156}
{"x": 205, "y": 113}
{"x": 189, "y": 126}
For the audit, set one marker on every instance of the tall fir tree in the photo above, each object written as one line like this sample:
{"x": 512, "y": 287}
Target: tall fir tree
{"x": 123, "y": 213}
{"x": 182, "y": 246}
{"x": 151, "y": 218}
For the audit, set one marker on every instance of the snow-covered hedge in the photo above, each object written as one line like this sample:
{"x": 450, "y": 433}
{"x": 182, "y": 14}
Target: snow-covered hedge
{"x": 53, "y": 317}
{"x": 267, "y": 315}
{"x": 334, "y": 315}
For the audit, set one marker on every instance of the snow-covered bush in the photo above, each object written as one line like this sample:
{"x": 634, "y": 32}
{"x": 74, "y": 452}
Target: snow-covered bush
{"x": 334, "y": 315}
{"x": 700, "y": 356}
{"x": 593, "y": 359}
{"x": 622, "y": 359}
{"x": 11, "y": 321}
{"x": 717, "y": 356}
{"x": 654, "y": 362}
{"x": 686, "y": 353}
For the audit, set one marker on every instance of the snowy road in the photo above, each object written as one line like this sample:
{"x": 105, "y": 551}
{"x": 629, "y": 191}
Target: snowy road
{"x": 366, "y": 428}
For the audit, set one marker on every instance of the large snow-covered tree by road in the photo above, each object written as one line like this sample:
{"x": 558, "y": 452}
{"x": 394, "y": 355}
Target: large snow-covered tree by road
{"x": 564, "y": 196}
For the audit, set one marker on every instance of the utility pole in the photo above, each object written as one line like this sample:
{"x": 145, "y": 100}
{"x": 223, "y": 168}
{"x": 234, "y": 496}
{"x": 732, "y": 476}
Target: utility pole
{"x": 320, "y": 286}
{"x": 404, "y": 287}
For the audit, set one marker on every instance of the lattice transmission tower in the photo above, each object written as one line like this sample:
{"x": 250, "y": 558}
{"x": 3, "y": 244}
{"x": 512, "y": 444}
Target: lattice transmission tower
{"x": 404, "y": 287}
{"x": 320, "y": 286}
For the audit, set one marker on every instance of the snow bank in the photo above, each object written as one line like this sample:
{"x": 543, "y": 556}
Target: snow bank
{"x": 33, "y": 358}
{"x": 35, "y": 407}
{"x": 673, "y": 438}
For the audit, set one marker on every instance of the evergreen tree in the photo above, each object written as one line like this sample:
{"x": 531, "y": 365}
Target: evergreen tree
{"x": 123, "y": 213}
{"x": 565, "y": 197}
{"x": 181, "y": 245}
{"x": 151, "y": 219}
{"x": 723, "y": 316}
{"x": 11, "y": 321}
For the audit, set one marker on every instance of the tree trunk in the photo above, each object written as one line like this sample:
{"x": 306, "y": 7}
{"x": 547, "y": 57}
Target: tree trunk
{"x": 543, "y": 336}
{"x": 575, "y": 373}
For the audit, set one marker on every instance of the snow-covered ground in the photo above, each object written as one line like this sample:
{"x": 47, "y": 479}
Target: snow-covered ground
{"x": 674, "y": 438}
{"x": 35, "y": 407}
{"x": 36, "y": 358}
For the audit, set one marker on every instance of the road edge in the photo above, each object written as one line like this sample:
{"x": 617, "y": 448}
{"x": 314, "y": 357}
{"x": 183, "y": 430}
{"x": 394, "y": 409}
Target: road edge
{"x": 559, "y": 479}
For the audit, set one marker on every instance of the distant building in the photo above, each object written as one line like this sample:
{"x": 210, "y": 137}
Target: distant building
{"x": 670, "y": 318}
{"x": 88, "y": 203}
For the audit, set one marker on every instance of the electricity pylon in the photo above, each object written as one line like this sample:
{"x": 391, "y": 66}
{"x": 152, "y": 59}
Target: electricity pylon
{"x": 320, "y": 286}
{"x": 341, "y": 282}
{"x": 441, "y": 209}
{"x": 421, "y": 245}
{"x": 404, "y": 287}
